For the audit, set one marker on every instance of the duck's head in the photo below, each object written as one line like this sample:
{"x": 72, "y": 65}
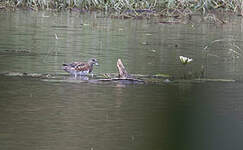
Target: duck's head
{"x": 93, "y": 61}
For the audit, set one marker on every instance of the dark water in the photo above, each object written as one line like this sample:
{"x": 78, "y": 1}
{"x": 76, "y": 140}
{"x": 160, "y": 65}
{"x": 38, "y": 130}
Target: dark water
{"x": 35, "y": 114}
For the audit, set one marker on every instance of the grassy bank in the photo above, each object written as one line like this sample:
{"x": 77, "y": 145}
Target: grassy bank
{"x": 120, "y": 6}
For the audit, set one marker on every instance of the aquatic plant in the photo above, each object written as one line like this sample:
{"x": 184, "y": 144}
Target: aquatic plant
{"x": 185, "y": 60}
{"x": 137, "y": 6}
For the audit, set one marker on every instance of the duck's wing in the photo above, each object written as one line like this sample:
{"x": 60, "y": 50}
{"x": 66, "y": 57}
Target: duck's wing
{"x": 82, "y": 67}
{"x": 74, "y": 64}
{"x": 78, "y": 66}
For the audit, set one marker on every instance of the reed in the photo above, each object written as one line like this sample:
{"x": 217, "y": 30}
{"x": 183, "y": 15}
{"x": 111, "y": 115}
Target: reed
{"x": 123, "y": 5}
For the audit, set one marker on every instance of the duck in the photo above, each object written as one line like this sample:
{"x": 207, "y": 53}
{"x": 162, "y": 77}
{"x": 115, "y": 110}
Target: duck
{"x": 80, "y": 68}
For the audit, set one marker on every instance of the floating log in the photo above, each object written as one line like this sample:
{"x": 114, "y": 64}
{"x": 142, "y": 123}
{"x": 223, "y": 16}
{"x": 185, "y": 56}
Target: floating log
{"x": 216, "y": 80}
{"x": 109, "y": 77}
{"x": 123, "y": 75}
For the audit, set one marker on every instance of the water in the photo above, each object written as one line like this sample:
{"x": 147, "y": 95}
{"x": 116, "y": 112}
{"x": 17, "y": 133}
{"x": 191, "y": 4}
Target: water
{"x": 35, "y": 114}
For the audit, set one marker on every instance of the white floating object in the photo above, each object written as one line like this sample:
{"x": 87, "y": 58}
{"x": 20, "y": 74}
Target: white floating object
{"x": 185, "y": 60}
{"x": 44, "y": 16}
{"x": 56, "y": 36}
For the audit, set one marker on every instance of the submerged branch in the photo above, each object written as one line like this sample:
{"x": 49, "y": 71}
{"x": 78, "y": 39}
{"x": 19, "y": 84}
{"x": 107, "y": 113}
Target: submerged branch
{"x": 229, "y": 41}
{"x": 219, "y": 40}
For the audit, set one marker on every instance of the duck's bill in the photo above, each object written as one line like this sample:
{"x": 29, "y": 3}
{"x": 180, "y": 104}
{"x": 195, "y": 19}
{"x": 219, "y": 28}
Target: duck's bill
{"x": 97, "y": 64}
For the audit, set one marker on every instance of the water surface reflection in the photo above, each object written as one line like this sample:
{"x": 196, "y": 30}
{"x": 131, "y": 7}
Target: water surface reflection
{"x": 36, "y": 114}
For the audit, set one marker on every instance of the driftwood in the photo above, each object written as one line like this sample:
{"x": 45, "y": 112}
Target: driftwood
{"x": 122, "y": 72}
{"x": 109, "y": 77}
{"x": 123, "y": 75}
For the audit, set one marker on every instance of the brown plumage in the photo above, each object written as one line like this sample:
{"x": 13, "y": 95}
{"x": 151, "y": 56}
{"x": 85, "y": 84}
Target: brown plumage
{"x": 80, "y": 68}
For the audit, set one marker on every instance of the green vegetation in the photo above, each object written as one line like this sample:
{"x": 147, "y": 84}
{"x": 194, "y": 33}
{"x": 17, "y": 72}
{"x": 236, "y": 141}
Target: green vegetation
{"x": 125, "y": 5}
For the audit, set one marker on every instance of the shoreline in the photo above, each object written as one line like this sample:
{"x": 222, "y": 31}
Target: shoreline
{"x": 163, "y": 8}
{"x": 173, "y": 15}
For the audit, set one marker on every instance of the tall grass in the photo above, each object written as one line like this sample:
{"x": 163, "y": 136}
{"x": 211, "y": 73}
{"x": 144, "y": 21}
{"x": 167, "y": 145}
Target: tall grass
{"x": 121, "y": 5}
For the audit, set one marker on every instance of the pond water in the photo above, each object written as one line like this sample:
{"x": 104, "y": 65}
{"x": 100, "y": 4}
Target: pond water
{"x": 36, "y": 114}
